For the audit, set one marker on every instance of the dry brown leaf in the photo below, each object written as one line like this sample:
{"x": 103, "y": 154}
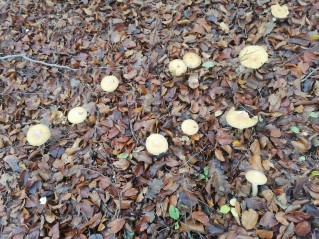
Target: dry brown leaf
{"x": 116, "y": 225}
{"x": 201, "y": 217}
{"x": 190, "y": 226}
{"x": 249, "y": 219}
{"x": 303, "y": 228}
{"x": 265, "y": 234}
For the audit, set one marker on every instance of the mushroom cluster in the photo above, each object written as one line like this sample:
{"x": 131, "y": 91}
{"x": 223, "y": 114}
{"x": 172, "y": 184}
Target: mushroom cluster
{"x": 178, "y": 67}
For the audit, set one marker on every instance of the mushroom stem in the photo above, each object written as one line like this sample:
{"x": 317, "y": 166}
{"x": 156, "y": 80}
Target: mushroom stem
{"x": 254, "y": 189}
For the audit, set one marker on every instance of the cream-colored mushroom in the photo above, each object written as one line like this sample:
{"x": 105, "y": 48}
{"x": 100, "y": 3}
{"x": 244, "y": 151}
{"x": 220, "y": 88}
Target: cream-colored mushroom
{"x": 253, "y": 56}
{"x": 38, "y": 134}
{"x": 189, "y": 127}
{"x": 192, "y": 60}
{"x": 77, "y": 115}
{"x": 177, "y": 67}
{"x": 279, "y": 11}
{"x": 156, "y": 144}
{"x": 240, "y": 119}
{"x": 109, "y": 83}
{"x": 256, "y": 178}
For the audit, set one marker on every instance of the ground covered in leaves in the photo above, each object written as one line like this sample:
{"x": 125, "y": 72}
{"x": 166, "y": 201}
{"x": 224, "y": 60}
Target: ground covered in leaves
{"x": 96, "y": 180}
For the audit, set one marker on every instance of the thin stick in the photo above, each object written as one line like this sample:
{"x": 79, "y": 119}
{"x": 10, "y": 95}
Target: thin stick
{"x": 310, "y": 74}
{"x": 36, "y": 61}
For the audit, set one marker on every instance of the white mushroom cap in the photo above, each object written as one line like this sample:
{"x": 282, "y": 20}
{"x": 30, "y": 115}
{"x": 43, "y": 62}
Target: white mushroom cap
{"x": 253, "y": 56}
{"x": 189, "y": 127}
{"x": 192, "y": 60}
{"x": 279, "y": 11}
{"x": 109, "y": 83}
{"x": 156, "y": 144}
{"x": 38, "y": 134}
{"x": 256, "y": 178}
{"x": 240, "y": 119}
{"x": 77, "y": 115}
{"x": 177, "y": 67}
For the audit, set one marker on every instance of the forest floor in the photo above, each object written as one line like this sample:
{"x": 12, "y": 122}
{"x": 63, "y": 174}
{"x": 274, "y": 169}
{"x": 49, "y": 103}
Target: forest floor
{"x": 96, "y": 179}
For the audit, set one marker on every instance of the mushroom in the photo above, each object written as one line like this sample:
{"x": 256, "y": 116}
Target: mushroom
{"x": 38, "y": 134}
{"x": 77, "y": 115}
{"x": 192, "y": 60}
{"x": 109, "y": 83}
{"x": 253, "y": 56}
{"x": 189, "y": 127}
{"x": 240, "y": 119}
{"x": 279, "y": 11}
{"x": 177, "y": 67}
{"x": 256, "y": 178}
{"x": 156, "y": 144}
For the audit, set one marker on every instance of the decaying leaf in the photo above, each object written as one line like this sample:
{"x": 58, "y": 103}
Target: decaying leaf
{"x": 249, "y": 219}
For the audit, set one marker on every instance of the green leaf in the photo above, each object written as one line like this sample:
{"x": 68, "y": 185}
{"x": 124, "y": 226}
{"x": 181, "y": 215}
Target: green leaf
{"x": 224, "y": 209}
{"x": 314, "y": 173}
{"x": 206, "y": 171}
{"x": 295, "y": 129}
{"x": 123, "y": 156}
{"x": 208, "y": 64}
{"x": 314, "y": 114}
{"x": 176, "y": 225}
{"x": 128, "y": 234}
{"x": 173, "y": 212}
{"x": 302, "y": 158}
{"x": 202, "y": 176}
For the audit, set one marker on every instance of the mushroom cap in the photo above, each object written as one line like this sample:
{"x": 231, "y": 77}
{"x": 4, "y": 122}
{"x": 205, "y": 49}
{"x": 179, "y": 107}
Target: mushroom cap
{"x": 189, "y": 127}
{"x": 279, "y": 11}
{"x": 192, "y": 60}
{"x": 240, "y": 119}
{"x": 253, "y": 56}
{"x": 77, "y": 115}
{"x": 177, "y": 67}
{"x": 156, "y": 144}
{"x": 38, "y": 134}
{"x": 256, "y": 177}
{"x": 109, "y": 83}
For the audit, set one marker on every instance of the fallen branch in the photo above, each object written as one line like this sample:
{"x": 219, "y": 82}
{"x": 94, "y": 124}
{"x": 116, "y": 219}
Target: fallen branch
{"x": 310, "y": 74}
{"x": 36, "y": 61}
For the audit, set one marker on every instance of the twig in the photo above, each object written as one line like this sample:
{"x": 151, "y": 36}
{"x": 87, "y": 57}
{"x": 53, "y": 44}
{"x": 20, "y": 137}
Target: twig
{"x": 310, "y": 74}
{"x": 194, "y": 155}
{"x": 36, "y": 61}
{"x": 314, "y": 102}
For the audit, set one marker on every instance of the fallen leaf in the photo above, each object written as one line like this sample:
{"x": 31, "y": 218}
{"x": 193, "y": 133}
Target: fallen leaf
{"x": 249, "y": 219}
{"x": 201, "y": 217}
{"x": 116, "y": 225}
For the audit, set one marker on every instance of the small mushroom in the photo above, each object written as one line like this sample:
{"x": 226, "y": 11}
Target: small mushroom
{"x": 109, "y": 83}
{"x": 38, "y": 134}
{"x": 77, "y": 115}
{"x": 156, "y": 144}
{"x": 189, "y": 127}
{"x": 177, "y": 67}
{"x": 279, "y": 11}
{"x": 240, "y": 119}
{"x": 192, "y": 60}
{"x": 253, "y": 56}
{"x": 256, "y": 178}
